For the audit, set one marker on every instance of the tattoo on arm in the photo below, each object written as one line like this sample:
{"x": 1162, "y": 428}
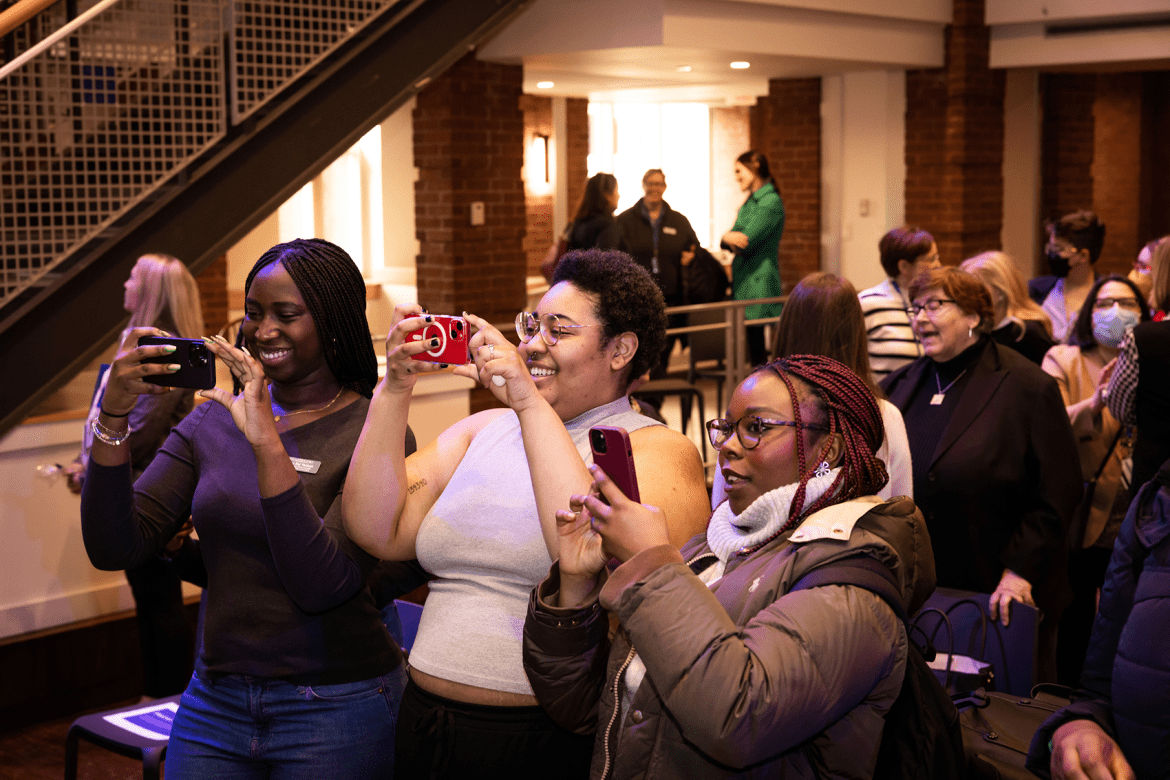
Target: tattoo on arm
{"x": 416, "y": 486}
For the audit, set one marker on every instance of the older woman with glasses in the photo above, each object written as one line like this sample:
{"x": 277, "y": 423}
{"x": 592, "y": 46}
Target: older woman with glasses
{"x": 726, "y": 663}
{"x": 477, "y": 507}
{"x": 991, "y": 448}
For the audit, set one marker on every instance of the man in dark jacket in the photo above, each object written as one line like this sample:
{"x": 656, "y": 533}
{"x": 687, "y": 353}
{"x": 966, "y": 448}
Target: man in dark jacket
{"x": 661, "y": 240}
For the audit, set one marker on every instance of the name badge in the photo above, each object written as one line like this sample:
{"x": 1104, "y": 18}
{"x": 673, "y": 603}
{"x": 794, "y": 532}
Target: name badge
{"x": 306, "y": 466}
{"x": 669, "y": 230}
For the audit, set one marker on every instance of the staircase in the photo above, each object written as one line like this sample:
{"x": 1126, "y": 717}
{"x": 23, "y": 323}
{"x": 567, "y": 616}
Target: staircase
{"x": 104, "y": 158}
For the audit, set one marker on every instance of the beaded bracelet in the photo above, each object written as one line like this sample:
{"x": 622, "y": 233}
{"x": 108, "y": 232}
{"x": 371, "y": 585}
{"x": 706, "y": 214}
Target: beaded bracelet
{"x": 109, "y": 435}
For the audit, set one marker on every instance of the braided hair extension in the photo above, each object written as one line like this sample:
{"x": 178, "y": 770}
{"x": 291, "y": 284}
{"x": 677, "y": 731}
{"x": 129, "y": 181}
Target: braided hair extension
{"x": 335, "y": 295}
{"x": 837, "y": 398}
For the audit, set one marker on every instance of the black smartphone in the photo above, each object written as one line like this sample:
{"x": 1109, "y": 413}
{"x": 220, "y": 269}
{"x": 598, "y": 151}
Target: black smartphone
{"x": 196, "y": 363}
{"x": 613, "y": 453}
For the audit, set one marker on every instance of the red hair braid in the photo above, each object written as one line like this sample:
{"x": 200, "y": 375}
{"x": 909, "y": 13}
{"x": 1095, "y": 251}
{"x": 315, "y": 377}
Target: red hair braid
{"x": 841, "y": 402}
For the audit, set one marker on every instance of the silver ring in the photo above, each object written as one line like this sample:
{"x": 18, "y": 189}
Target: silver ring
{"x": 491, "y": 351}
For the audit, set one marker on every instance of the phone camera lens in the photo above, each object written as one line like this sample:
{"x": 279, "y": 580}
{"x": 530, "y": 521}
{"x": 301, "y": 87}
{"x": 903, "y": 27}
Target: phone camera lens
{"x": 455, "y": 333}
{"x": 598, "y": 441}
{"x": 197, "y": 355}
{"x": 459, "y": 325}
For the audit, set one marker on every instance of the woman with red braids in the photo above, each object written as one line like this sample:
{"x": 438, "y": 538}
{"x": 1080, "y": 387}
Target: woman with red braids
{"x": 720, "y": 668}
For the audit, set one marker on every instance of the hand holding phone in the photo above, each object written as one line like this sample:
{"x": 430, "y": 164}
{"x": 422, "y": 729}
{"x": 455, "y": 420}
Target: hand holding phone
{"x": 613, "y": 453}
{"x": 196, "y": 363}
{"x": 449, "y": 337}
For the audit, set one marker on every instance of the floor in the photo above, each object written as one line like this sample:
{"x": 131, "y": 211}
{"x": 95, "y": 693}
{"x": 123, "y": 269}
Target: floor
{"x": 38, "y": 753}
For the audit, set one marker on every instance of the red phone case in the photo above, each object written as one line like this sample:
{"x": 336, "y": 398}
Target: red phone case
{"x": 617, "y": 459}
{"x": 452, "y": 335}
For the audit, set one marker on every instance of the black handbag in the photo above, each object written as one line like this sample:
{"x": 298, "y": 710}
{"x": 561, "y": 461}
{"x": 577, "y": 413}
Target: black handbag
{"x": 957, "y": 671}
{"x": 998, "y": 729}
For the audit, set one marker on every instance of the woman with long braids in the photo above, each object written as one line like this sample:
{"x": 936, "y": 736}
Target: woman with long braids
{"x": 296, "y": 677}
{"x": 720, "y": 668}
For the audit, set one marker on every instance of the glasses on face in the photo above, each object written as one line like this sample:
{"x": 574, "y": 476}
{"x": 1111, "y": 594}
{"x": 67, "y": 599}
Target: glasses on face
{"x": 749, "y": 428}
{"x": 930, "y": 306}
{"x": 654, "y": 184}
{"x": 1127, "y": 302}
{"x": 551, "y": 328}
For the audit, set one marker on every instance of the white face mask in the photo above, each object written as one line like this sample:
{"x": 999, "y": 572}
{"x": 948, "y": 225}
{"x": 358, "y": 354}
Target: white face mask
{"x": 1110, "y": 325}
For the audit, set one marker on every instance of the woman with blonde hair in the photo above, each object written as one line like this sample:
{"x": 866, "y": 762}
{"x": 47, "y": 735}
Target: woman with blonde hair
{"x": 1020, "y": 323}
{"x": 160, "y": 293}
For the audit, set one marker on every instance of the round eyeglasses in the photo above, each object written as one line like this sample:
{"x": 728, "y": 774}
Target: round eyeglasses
{"x": 750, "y": 428}
{"x": 550, "y": 327}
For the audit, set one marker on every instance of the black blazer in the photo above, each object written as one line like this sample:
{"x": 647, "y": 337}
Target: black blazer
{"x": 1004, "y": 480}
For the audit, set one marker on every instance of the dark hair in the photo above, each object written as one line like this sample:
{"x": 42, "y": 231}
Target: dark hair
{"x": 966, "y": 289}
{"x": 627, "y": 299}
{"x": 335, "y": 295}
{"x": 823, "y": 317}
{"x": 826, "y": 392}
{"x": 1082, "y": 332}
{"x": 651, "y": 172}
{"x": 757, "y": 163}
{"x": 908, "y": 243}
{"x": 595, "y": 201}
{"x": 1082, "y": 229}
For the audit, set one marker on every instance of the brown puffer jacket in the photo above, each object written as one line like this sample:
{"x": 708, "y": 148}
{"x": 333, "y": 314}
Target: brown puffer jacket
{"x": 743, "y": 679}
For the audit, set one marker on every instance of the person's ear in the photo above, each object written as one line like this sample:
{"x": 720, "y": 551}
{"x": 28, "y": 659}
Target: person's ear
{"x": 622, "y": 349}
{"x": 905, "y": 267}
{"x": 832, "y": 450}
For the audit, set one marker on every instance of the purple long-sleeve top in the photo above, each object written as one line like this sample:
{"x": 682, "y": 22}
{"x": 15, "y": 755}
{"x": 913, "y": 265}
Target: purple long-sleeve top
{"x": 286, "y": 592}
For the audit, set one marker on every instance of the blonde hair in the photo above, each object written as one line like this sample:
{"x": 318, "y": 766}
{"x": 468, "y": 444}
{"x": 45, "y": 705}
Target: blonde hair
{"x": 999, "y": 273}
{"x": 1160, "y": 274}
{"x": 167, "y": 292}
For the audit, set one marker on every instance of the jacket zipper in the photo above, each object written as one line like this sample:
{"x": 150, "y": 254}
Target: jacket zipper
{"x": 617, "y": 707}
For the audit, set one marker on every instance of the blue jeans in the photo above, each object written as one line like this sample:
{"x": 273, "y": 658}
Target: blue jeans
{"x": 249, "y": 728}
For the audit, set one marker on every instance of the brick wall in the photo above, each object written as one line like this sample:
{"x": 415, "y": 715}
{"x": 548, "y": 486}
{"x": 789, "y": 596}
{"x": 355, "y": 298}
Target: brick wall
{"x": 786, "y": 126}
{"x": 954, "y": 142}
{"x": 538, "y": 198}
{"x": 1067, "y": 146}
{"x": 577, "y": 128}
{"x": 213, "y": 295}
{"x": 469, "y": 146}
{"x": 1117, "y": 167}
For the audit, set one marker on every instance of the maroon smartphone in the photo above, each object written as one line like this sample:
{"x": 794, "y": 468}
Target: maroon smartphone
{"x": 612, "y": 452}
{"x": 452, "y": 335}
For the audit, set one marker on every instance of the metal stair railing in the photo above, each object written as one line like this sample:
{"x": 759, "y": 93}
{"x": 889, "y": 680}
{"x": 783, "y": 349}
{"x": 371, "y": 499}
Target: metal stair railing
{"x": 100, "y": 115}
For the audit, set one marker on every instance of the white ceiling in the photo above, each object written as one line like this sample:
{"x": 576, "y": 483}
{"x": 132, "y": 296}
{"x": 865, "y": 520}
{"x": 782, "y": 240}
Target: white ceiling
{"x": 631, "y": 50}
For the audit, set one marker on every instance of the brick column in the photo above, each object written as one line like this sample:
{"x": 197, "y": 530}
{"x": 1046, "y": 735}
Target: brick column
{"x": 577, "y": 127}
{"x": 954, "y": 142}
{"x": 468, "y": 147}
{"x": 213, "y": 295}
{"x": 1118, "y": 168}
{"x": 538, "y": 200}
{"x": 786, "y": 126}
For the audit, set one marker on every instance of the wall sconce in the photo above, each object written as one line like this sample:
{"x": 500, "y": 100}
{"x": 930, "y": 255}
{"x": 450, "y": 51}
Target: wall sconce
{"x": 540, "y": 154}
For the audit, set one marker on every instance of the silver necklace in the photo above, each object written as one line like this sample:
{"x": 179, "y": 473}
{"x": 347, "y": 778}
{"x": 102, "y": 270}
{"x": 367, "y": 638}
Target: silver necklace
{"x": 278, "y": 417}
{"x": 938, "y": 397}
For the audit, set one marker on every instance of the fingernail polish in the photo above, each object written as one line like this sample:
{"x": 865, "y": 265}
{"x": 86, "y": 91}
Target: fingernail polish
{"x": 173, "y": 367}
{"x": 434, "y": 342}
{"x": 169, "y": 348}
{"x": 428, "y": 318}
{"x": 444, "y": 365}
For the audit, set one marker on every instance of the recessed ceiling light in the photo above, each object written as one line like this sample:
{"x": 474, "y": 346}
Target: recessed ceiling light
{"x": 683, "y": 68}
{"x": 545, "y": 85}
{"x": 741, "y": 65}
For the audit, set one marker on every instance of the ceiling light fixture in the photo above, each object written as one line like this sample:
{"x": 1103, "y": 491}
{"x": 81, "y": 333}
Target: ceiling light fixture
{"x": 545, "y": 85}
{"x": 740, "y": 65}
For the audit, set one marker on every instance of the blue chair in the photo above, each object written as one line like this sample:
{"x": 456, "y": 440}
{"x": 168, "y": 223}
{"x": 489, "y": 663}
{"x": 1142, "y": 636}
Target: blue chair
{"x": 1011, "y": 651}
{"x": 136, "y": 731}
{"x": 409, "y": 615}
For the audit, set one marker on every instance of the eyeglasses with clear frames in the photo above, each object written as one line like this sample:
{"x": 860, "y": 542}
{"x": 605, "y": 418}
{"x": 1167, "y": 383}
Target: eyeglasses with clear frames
{"x": 750, "y": 428}
{"x": 930, "y": 306}
{"x": 550, "y": 327}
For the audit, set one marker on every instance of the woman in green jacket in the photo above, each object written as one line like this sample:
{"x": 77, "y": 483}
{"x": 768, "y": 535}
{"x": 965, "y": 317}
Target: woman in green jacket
{"x": 755, "y": 239}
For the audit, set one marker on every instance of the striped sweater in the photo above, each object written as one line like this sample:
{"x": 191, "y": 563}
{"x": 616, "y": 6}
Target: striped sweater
{"x": 887, "y": 326}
